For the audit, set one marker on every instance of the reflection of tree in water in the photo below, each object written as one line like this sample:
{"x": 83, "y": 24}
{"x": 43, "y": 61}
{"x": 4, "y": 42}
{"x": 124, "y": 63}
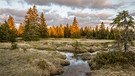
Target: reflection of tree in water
{"x": 75, "y": 45}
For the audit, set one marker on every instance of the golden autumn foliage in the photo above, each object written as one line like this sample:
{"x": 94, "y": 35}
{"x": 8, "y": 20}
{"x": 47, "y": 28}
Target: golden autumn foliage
{"x": 75, "y": 31}
{"x": 32, "y": 16}
{"x": 52, "y": 31}
{"x": 96, "y": 28}
{"x": 57, "y": 31}
{"x": 11, "y": 23}
{"x": 60, "y": 31}
{"x": 20, "y": 30}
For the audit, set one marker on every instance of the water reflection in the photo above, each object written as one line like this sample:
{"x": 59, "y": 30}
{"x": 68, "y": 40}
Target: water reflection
{"x": 77, "y": 66}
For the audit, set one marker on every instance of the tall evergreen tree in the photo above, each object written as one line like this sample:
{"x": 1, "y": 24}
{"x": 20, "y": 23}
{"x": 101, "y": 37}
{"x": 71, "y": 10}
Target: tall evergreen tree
{"x": 126, "y": 21}
{"x": 101, "y": 34}
{"x": 117, "y": 24}
{"x": 6, "y": 33}
{"x": 30, "y": 32}
{"x": 67, "y": 31}
{"x": 43, "y": 27}
{"x": 31, "y": 28}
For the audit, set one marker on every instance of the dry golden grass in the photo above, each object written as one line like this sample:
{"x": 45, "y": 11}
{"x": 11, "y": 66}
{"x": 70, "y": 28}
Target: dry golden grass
{"x": 25, "y": 61}
{"x": 30, "y": 62}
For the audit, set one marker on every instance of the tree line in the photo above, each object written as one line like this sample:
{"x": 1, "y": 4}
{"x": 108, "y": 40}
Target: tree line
{"x": 35, "y": 27}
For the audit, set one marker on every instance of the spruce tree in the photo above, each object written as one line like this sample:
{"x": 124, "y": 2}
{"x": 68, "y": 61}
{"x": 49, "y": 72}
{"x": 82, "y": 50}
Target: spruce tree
{"x": 67, "y": 31}
{"x": 7, "y": 34}
{"x": 43, "y": 27}
{"x": 31, "y": 25}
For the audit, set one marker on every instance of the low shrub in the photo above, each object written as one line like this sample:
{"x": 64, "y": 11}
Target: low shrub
{"x": 113, "y": 58}
{"x": 13, "y": 46}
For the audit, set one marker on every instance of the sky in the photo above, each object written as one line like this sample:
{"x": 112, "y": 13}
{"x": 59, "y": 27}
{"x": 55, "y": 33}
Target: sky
{"x": 87, "y": 12}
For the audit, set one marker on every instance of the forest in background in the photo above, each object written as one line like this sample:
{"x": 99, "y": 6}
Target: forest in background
{"x": 35, "y": 27}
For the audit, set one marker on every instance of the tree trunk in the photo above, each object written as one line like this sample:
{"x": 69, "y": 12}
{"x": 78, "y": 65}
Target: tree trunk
{"x": 119, "y": 43}
{"x": 119, "y": 40}
{"x": 125, "y": 39}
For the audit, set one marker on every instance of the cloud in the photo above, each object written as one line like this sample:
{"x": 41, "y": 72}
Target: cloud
{"x": 102, "y": 16}
{"x": 133, "y": 13}
{"x": 18, "y": 13}
{"x": 56, "y": 19}
{"x": 95, "y": 4}
{"x": 2, "y": 18}
{"x": 78, "y": 14}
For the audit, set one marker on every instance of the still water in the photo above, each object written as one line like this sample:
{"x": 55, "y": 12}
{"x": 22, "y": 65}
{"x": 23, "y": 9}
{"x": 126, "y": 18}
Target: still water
{"x": 77, "y": 66}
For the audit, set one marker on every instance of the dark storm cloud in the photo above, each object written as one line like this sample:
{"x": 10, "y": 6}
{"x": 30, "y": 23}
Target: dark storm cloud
{"x": 95, "y": 4}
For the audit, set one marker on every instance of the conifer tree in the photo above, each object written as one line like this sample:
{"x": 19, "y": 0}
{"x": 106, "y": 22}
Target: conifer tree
{"x": 101, "y": 31}
{"x": 123, "y": 19}
{"x": 30, "y": 32}
{"x": 6, "y": 33}
{"x": 20, "y": 30}
{"x": 43, "y": 27}
{"x": 67, "y": 31}
{"x": 75, "y": 32}
{"x": 60, "y": 31}
{"x": 31, "y": 28}
{"x": 11, "y": 25}
{"x": 96, "y": 31}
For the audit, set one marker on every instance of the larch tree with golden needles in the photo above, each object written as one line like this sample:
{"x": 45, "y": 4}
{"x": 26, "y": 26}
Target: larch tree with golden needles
{"x": 32, "y": 16}
{"x": 52, "y": 31}
{"x": 75, "y": 31}
{"x": 60, "y": 31}
{"x": 20, "y": 30}
{"x": 10, "y": 22}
